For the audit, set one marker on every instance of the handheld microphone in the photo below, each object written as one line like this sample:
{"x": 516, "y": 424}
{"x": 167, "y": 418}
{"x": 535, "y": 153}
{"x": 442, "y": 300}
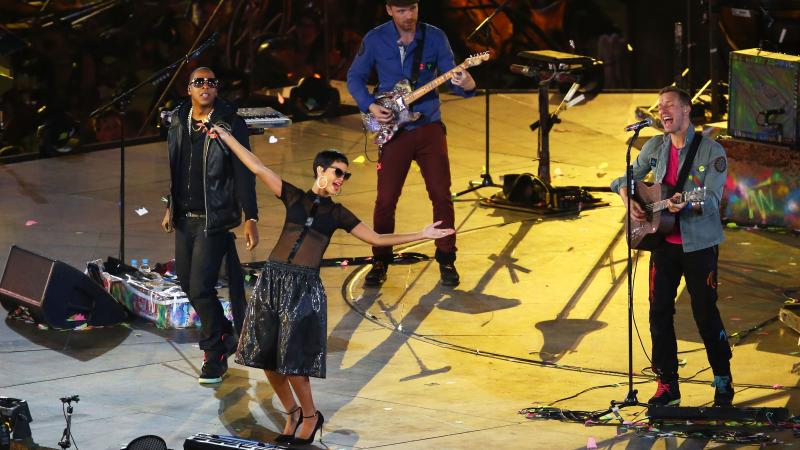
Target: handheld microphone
{"x": 639, "y": 125}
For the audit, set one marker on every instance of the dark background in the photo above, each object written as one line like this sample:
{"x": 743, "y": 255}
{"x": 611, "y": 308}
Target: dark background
{"x": 60, "y": 60}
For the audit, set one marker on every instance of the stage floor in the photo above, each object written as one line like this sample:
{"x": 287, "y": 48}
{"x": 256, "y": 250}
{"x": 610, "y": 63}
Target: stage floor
{"x": 540, "y": 314}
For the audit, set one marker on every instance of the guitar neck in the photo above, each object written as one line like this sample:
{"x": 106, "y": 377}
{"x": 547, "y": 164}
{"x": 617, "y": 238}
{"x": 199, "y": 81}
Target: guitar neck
{"x": 663, "y": 204}
{"x": 411, "y": 97}
{"x": 659, "y": 205}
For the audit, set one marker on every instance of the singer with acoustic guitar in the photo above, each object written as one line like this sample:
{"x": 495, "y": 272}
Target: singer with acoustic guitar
{"x": 404, "y": 48}
{"x": 681, "y": 162}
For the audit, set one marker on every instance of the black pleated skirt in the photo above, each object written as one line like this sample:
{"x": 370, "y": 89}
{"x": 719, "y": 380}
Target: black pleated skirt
{"x": 285, "y": 327}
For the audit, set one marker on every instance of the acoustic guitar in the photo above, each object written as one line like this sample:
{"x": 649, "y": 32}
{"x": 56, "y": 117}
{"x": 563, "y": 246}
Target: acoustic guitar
{"x": 653, "y": 198}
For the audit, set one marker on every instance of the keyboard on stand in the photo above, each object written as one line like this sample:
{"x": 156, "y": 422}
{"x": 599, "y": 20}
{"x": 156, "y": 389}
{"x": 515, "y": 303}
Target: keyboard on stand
{"x": 261, "y": 118}
{"x": 257, "y": 119}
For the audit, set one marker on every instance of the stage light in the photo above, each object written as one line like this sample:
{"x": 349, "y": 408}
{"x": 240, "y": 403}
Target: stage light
{"x": 57, "y": 135}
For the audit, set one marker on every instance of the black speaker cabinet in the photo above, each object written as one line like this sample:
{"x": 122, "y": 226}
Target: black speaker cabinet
{"x": 53, "y": 291}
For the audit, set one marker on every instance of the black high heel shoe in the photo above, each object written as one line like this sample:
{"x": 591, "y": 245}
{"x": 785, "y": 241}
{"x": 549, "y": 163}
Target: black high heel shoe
{"x": 318, "y": 426}
{"x": 285, "y": 438}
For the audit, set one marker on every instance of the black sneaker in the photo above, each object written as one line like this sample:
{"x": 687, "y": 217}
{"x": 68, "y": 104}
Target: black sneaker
{"x": 723, "y": 390}
{"x": 377, "y": 275}
{"x": 667, "y": 394}
{"x": 449, "y": 275}
{"x": 214, "y": 368}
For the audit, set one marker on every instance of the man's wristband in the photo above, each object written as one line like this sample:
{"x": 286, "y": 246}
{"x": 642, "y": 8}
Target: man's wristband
{"x": 253, "y": 219}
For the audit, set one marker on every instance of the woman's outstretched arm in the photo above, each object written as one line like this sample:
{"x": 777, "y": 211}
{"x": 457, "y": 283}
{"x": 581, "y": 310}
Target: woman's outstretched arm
{"x": 368, "y": 235}
{"x": 264, "y": 173}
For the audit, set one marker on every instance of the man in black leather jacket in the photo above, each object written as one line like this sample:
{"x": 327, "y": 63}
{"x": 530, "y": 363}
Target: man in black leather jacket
{"x": 209, "y": 189}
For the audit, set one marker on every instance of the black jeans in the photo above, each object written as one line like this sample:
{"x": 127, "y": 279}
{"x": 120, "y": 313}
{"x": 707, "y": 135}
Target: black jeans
{"x": 699, "y": 268}
{"x": 197, "y": 262}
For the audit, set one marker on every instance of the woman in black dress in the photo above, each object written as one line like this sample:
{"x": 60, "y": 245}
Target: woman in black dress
{"x": 285, "y": 328}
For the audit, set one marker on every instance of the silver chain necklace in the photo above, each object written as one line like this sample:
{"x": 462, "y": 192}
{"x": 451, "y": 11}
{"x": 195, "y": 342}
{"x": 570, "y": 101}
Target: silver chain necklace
{"x": 189, "y": 119}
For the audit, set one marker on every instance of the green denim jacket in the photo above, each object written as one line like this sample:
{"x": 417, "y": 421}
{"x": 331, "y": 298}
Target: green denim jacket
{"x": 699, "y": 229}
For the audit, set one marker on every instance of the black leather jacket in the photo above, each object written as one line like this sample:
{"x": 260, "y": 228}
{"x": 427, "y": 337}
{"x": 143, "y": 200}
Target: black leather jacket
{"x": 229, "y": 186}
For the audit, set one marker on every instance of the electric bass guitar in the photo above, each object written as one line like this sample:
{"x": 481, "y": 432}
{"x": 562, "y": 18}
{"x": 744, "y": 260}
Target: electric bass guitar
{"x": 650, "y": 233}
{"x": 399, "y": 98}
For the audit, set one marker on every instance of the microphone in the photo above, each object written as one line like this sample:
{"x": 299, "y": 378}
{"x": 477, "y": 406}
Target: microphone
{"x": 520, "y": 69}
{"x": 203, "y": 47}
{"x": 771, "y": 112}
{"x": 639, "y": 125}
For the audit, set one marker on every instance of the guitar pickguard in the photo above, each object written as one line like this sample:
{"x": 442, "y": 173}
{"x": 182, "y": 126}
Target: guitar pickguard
{"x": 392, "y": 100}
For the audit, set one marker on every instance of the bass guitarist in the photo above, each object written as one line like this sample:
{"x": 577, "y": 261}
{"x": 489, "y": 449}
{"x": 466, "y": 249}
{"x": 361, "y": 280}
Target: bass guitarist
{"x": 690, "y": 250}
{"x": 405, "y": 48}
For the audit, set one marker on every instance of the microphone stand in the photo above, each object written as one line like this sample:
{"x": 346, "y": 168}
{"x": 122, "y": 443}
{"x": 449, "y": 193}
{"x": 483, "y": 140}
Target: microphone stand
{"x": 65, "y": 443}
{"x": 486, "y": 177}
{"x": 121, "y": 102}
{"x": 630, "y": 183}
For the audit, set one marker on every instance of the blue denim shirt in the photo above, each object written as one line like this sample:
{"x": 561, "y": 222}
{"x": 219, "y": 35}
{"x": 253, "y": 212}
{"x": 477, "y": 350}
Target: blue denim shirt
{"x": 699, "y": 230}
{"x": 380, "y": 50}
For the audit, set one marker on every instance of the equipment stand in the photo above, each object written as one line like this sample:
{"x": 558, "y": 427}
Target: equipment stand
{"x": 65, "y": 437}
{"x": 630, "y": 399}
{"x": 486, "y": 177}
{"x": 535, "y": 193}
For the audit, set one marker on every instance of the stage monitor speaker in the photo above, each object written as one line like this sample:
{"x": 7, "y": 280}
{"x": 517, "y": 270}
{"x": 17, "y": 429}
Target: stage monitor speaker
{"x": 53, "y": 291}
{"x": 790, "y": 316}
{"x": 764, "y": 91}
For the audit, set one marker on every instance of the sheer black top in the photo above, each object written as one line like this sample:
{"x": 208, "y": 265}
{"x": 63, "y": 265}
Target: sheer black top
{"x": 327, "y": 217}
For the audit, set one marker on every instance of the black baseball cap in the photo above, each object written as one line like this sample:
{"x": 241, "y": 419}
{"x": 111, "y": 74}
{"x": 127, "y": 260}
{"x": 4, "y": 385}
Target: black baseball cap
{"x": 401, "y": 2}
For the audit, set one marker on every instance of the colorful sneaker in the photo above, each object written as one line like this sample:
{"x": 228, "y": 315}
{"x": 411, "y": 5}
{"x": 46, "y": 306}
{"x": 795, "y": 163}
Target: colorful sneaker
{"x": 723, "y": 390}
{"x": 667, "y": 394}
{"x": 214, "y": 368}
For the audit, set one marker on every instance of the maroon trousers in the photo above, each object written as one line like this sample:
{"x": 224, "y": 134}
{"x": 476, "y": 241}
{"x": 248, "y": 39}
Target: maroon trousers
{"x": 427, "y": 145}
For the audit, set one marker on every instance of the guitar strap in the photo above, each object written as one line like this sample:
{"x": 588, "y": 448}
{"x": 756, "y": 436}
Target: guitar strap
{"x": 417, "y": 61}
{"x": 687, "y": 164}
{"x": 415, "y": 67}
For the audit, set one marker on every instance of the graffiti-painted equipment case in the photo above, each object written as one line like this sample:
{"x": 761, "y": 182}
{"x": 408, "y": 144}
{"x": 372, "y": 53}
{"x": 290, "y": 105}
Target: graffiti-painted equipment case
{"x": 764, "y": 91}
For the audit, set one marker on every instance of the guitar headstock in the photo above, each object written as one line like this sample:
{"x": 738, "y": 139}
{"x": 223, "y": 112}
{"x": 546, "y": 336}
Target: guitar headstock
{"x": 476, "y": 59}
{"x": 696, "y": 195}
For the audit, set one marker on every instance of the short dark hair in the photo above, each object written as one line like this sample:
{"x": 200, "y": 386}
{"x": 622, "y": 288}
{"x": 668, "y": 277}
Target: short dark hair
{"x": 191, "y": 75}
{"x": 401, "y": 2}
{"x": 327, "y": 157}
{"x": 682, "y": 95}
